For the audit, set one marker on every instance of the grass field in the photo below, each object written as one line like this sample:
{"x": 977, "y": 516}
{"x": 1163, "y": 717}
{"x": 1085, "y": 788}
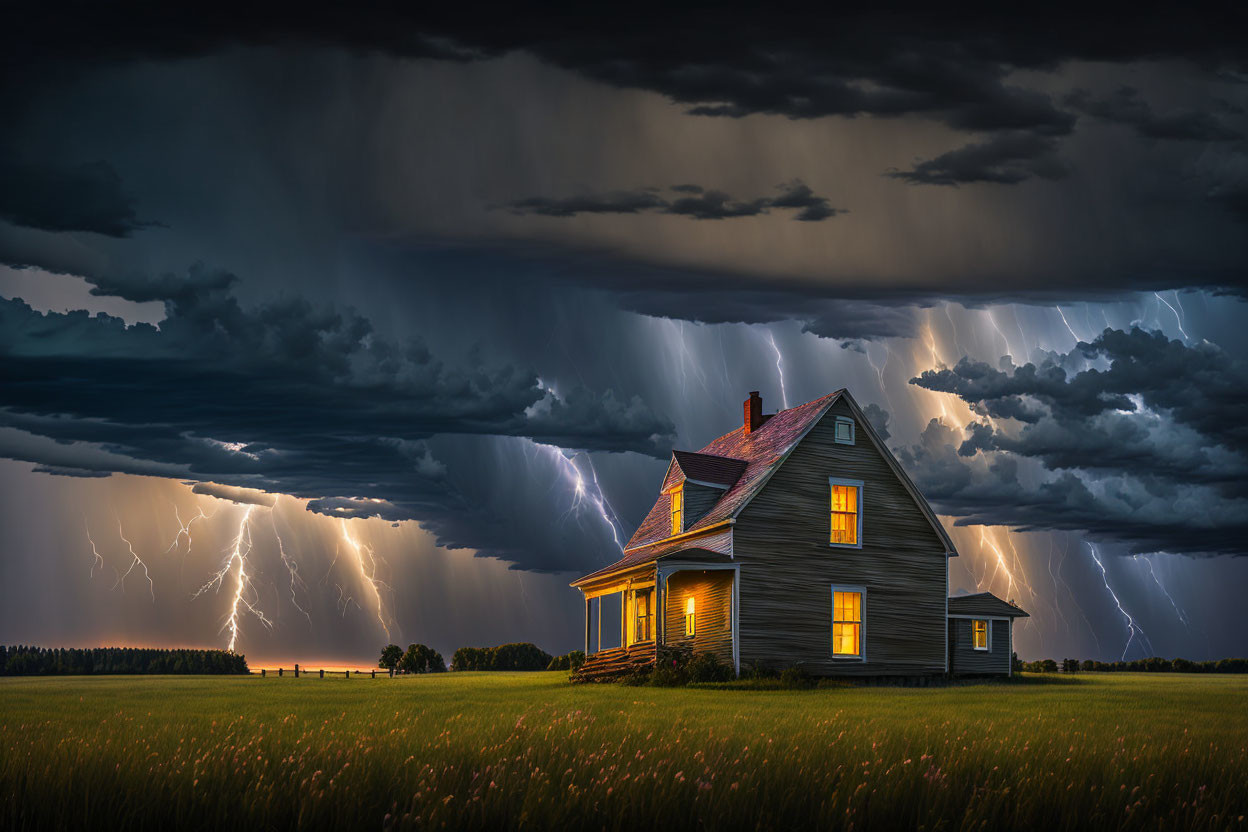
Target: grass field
{"x": 496, "y": 750}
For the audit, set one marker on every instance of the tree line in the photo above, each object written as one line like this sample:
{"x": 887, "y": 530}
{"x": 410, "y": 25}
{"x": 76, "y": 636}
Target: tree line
{"x": 1155, "y": 664}
{"x": 26, "y": 660}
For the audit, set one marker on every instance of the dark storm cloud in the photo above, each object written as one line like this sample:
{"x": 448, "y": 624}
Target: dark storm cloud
{"x": 86, "y": 197}
{"x": 243, "y": 496}
{"x": 80, "y": 473}
{"x": 284, "y": 397}
{"x": 1004, "y": 159}
{"x": 692, "y": 201}
{"x": 1146, "y": 447}
{"x": 1127, "y": 106}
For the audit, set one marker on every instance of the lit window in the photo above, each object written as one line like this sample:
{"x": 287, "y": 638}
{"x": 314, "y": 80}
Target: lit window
{"x": 844, "y": 431}
{"x": 690, "y": 618}
{"x": 979, "y": 635}
{"x": 678, "y": 510}
{"x": 845, "y": 515}
{"x": 643, "y": 620}
{"x": 846, "y": 623}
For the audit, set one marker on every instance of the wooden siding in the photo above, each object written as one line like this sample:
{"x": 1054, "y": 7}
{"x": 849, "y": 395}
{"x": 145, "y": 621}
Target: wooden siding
{"x": 788, "y": 567}
{"x": 698, "y": 501}
{"x": 712, "y": 597}
{"x": 965, "y": 660}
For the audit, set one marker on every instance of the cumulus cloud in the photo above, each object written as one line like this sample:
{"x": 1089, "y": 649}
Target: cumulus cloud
{"x": 1144, "y": 445}
{"x": 283, "y": 397}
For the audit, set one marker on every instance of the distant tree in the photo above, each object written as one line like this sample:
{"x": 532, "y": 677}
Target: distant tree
{"x": 1016, "y": 663}
{"x": 391, "y": 655}
{"x": 517, "y": 656}
{"x": 1070, "y": 665}
{"x": 1050, "y": 666}
{"x": 422, "y": 659}
{"x": 568, "y": 661}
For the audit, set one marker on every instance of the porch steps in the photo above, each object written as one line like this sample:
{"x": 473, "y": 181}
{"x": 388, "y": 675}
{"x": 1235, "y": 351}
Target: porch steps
{"x": 609, "y": 665}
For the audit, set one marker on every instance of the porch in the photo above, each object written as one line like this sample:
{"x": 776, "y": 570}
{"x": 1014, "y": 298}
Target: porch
{"x": 679, "y": 606}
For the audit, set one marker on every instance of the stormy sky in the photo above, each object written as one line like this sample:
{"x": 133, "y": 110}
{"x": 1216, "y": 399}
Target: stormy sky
{"x": 406, "y": 310}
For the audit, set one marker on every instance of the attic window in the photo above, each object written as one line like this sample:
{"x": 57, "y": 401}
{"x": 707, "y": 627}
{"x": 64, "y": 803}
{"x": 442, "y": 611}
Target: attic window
{"x": 844, "y": 430}
{"x": 678, "y": 509}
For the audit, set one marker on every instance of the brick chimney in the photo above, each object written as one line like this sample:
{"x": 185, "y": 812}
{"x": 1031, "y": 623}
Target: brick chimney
{"x": 753, "y": 413}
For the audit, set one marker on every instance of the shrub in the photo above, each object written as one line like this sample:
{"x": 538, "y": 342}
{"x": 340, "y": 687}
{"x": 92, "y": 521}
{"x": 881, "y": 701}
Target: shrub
{"x": 568, "y": 661}
{"x": 516, "y": 656}
{"x": 796, "y": 677}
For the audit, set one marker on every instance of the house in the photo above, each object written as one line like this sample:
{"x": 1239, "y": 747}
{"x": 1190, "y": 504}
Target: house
{"x": 795, "y": 539}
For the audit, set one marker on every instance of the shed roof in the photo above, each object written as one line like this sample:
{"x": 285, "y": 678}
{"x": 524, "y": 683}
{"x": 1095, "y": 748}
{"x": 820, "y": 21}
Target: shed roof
{"x": 984, "y": 603}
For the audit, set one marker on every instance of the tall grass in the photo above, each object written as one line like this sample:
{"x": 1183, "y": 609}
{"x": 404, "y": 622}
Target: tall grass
{"x": 496, "y": 750}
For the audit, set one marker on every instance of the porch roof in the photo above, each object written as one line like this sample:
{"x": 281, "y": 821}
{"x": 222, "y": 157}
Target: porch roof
{"x": 675, "y": 549}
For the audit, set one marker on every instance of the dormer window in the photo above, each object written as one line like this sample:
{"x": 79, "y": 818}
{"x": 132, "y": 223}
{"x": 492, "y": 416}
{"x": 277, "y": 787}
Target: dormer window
{"x": 844, "y": 431}
{"x": 678, "y": 509}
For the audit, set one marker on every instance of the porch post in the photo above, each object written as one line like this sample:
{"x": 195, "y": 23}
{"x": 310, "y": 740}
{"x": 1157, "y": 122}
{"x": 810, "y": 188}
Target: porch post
{"x": 588, "y": 601}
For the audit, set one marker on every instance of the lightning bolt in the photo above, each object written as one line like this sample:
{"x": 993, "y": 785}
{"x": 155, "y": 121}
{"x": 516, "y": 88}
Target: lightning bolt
{"x": 784, "y": 395}
{"x": 135, "y": 561}
{"x": 184, "y": 529}
{"x": 1177, "y": 316}
{"x": 97, "y": 561}
{"x": 368, "y": 573}
{"x": 583, "y": 491}
{"x": 1152, "y": 572}
{"x": 291, "y": 567}
{"x": 236, "y": 561}
{"x": 1068, "y": 327}
{"x": 1133, "y": 629}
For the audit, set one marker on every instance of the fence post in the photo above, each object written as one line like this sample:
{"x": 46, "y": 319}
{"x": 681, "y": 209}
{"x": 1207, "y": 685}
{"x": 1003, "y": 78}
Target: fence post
{"x": 348, "y": 673}
{"x": 262, "y": 673}
{"x": 392, "y": 673}
{"x": 296, "y": 671}
{"x": 279, "y": 671}
{"x": 322, "y": 673}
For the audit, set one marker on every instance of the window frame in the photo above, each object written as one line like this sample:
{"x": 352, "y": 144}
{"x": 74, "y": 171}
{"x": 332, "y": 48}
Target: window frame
{"x": 987, "y": 622}
{"x": 862, "y": 624}
{"x": 858, "y": 533}
{"x": 691, "y": 617}
{"x": 844, "y": 420}
{"x": 646, "y": 620}
{"x": 674, "y": 496}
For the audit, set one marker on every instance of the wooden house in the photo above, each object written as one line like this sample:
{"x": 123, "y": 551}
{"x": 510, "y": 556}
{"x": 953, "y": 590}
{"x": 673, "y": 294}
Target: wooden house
{"x": 796, "y": 539}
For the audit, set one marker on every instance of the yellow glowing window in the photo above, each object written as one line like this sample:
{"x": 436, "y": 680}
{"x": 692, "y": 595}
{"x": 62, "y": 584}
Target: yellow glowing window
{"x": 844, "y": 515}
{"x": 678, "y": 509}
{"x": 846, "y": 623}
{"x": 690, "y": 618}
{"x": 979, "y": 635}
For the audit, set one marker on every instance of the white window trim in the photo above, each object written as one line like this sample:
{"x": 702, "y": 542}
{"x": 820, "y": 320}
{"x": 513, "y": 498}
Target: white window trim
{"x": 862, "y": 625}
{"x": 852, "y": 431}
{"x": 861, "y": 510}
{"x": 987, "y": 635}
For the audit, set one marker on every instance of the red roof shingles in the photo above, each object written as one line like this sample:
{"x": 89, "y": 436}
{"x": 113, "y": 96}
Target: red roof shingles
{"x": 720, "y": 470}
{"x": 760, "y": 450}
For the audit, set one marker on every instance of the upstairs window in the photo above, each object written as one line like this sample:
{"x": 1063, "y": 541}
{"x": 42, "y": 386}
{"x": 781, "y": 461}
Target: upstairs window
{"x": 678, "y": 510}
{"x": 844, "y": 430}
{"x": 690, "y": 618}
{"x": 979, "y": 634}
{"x": 846, "y": 513}
{"x": 847, "y": 622}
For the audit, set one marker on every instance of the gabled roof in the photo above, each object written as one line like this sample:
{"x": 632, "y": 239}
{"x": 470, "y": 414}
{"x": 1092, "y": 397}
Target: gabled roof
{"x": 983, "y": 603}
{"x": 717, "y": 470}
{"x": 761, "y": 450}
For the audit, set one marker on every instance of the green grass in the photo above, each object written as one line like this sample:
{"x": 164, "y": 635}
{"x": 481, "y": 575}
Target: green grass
{"x": 464, "y": 750}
